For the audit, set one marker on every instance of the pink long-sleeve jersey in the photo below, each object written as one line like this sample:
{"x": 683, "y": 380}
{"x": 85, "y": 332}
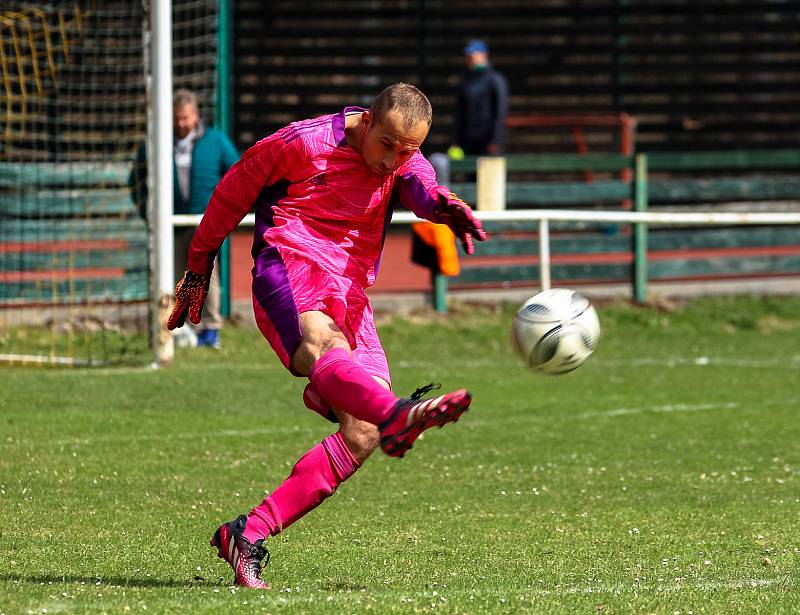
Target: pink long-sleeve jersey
{"x": 314, "y": 195}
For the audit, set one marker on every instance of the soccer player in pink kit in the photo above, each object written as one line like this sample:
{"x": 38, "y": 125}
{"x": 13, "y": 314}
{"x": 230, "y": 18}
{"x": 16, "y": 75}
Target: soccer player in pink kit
{"x": 323, "y": 191}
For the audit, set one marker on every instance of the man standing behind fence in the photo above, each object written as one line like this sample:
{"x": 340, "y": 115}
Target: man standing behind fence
{"x": 482, "y": 104}
{"x": 480, "y": 130}
{"x": 202, "y": 155}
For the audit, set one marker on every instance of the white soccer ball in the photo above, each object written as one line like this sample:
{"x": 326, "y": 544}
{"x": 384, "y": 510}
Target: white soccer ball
{"x": 556, "y": 330}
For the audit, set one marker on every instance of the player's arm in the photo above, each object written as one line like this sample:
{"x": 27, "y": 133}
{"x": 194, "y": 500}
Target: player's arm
{"x": 263, "y": 164}
{"x": 419, "y": 191}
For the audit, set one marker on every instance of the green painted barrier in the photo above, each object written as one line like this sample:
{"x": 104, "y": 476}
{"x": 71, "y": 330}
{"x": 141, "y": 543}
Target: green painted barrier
{"x": 656, "y": 253}
{"x": 70, "y": 174}
{"x": 640, "y": 233}
{"x": 225, "y": 124}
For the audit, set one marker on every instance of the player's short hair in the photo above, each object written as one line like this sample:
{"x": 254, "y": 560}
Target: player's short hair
{"x": 407, "y": 100}
{"x": 182, "y": 97}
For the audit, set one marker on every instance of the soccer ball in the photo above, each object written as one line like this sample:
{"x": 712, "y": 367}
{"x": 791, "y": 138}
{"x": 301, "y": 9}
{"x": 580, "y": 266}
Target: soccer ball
{"x": 555, "y": 331}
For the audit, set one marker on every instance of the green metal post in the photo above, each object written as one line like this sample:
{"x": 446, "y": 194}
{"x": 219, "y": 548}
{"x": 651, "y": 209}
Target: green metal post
{"x": 223, "y": 123}
{"x": 440, "y": 293}
{"x": 640, "y": 232}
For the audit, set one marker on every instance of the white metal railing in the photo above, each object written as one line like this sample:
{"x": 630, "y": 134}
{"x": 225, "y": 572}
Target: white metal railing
{"x": 544, "y": 216}
{"x": 577, "y": 215}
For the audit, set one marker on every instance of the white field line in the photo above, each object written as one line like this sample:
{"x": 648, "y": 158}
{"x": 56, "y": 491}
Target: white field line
{"x": 480, "y": 419}
{"x": 237, "y": 433}
{"x": 662, "y": 409}
{"x": 792, "y": 362}
{"x": 150, "y": 371}
{"x": 688, "y": 585}
{"x": 666, "y": 408}
{"x": 776, "y": 362}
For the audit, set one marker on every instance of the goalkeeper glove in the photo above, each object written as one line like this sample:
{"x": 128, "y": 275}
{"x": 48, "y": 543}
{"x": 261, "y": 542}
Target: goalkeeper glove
{"x": 190, "y": 295}
{"x": 456, "y": 214}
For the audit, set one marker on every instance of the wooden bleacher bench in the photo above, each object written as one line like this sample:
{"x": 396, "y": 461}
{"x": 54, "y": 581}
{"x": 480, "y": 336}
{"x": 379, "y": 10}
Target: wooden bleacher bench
{"x": 70, "y": 234}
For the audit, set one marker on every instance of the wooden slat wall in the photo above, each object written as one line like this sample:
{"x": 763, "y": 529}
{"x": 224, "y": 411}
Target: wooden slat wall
{"x": 697, "y": 75}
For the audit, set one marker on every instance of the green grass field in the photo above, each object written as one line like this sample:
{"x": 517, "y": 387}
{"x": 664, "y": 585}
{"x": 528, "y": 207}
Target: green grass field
{"x": 662, "y": 476}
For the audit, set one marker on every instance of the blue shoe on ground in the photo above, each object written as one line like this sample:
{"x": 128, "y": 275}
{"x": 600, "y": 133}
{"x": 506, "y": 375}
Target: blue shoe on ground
{"x": 209, "y": 337}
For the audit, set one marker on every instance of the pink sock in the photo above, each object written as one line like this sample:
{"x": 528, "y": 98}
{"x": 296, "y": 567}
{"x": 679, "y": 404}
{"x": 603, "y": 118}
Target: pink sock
{"x": 314, "y": 477}
{"x": 349, "y": 387}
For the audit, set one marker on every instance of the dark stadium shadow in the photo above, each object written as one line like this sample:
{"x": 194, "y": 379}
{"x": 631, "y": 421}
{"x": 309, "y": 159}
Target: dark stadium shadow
{"x": 110, "y": 581}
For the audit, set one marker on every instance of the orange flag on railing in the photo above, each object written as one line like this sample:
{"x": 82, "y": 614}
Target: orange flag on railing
{"x": 435, "y": 247}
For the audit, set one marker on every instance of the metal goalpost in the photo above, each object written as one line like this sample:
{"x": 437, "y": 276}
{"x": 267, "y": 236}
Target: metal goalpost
{"x": 189, "y": 47}
{"x": 160, "y": 181}
{"x": 86, "y": 182}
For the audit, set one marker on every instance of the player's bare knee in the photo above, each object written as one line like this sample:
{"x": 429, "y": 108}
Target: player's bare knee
{"x": 361, "y": 438}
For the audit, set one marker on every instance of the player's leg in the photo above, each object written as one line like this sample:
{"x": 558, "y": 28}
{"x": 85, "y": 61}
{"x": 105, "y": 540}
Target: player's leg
{"x": 361, "y": 437}
{"x": 300, "y": 310}
{"x": 321, "y": 470}
{"x": 312, "y": 326}
{"x": 277, "y": 318}
{"x": 244, "y": 556}
{"x": 411, "y": 416}
{"x": 315, "y": 477}
{"x": 311, "y": 343}
{"x": 407, "y": 418}
{"x": 288, "y": 303}
{"x": 324, "y": 356}
{"x": 368, "y": 353}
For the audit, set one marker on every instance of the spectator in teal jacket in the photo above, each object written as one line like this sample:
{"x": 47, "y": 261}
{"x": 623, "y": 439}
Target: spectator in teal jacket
{"x": 202, "y": 155}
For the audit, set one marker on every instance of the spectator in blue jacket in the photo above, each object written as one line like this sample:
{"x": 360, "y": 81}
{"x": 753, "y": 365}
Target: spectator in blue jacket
{"x": 482, "y": 104}
{"x": 202, "y": 155}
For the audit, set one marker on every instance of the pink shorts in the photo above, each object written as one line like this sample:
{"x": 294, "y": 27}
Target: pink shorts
{"x": 286, "y": 284}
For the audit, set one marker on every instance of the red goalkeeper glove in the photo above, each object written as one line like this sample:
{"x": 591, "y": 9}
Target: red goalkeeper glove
{"x": 456, "y": 214}
{"x": 190, "y": 295}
